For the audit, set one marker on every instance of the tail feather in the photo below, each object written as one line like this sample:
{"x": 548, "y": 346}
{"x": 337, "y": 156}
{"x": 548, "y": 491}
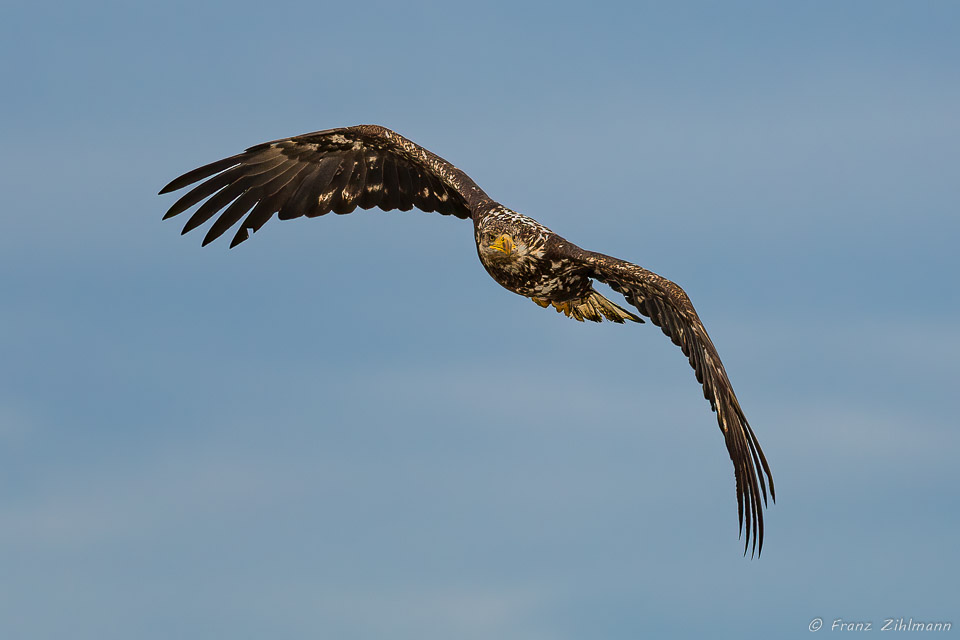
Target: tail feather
{"x": 593, "y": 307}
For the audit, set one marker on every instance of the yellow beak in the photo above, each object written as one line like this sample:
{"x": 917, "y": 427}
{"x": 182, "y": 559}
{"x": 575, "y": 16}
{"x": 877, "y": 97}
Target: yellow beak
{"x": 503, "y": 243}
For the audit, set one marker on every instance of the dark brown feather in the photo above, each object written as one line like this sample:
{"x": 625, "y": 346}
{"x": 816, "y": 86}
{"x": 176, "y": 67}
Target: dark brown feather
{"x": 301, "y": 200}
{"x": 373, "y": 189}
{"x": 339, "y": 184}
{"x": 320, "y": 189}
{"x": 210, "y": 208}
{"x": 406, "y": 188}
{"x": 281, "y": 188}
{"x": 200, "y": 173}
{"x": 237, "y": 209}
{"x": 391, "y": 185}
{"x": 204, "y": 190}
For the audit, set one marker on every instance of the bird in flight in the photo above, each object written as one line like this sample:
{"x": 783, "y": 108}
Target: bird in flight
{"x": 370, "y": 166}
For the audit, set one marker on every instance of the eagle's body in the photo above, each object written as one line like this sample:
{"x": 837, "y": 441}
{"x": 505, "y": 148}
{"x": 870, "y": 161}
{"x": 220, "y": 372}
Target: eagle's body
{"x": 537, "y": 266}
{"x": 541, "y": 265}
{"x": 369, "y": 166}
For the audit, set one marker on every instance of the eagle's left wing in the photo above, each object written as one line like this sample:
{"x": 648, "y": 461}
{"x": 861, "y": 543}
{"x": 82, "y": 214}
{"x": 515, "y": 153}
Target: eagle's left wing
{"x": 668, "y": 306}
{"x": 313, "y": 174}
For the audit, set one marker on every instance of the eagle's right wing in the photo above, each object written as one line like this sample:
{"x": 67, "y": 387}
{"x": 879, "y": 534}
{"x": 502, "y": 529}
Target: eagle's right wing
{"x": 309, "y": 175}
{"x": 668, "y": 307}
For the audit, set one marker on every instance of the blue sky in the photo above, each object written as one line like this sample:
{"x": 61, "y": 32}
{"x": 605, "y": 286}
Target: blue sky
{"x": 345, "y": 429}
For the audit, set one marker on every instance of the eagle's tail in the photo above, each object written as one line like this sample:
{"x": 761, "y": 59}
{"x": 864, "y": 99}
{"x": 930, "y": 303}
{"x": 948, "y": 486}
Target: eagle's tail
{"x": 592, "y": 306}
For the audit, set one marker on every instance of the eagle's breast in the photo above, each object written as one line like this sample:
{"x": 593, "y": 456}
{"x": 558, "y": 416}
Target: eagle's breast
{"x": 537, "y": 266}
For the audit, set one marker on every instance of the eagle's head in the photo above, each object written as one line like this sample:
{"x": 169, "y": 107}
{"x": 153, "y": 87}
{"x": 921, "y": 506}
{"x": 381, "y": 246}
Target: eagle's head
{"x": 500, "y": 247}
{"x": 510, "y": 251}
{"x": 510, "y": 241}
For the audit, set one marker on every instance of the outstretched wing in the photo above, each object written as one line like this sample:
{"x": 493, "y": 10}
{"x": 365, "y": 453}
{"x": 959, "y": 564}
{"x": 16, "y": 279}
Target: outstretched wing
{"x": 669, "y": 308}
{"x": 312, "y": 174}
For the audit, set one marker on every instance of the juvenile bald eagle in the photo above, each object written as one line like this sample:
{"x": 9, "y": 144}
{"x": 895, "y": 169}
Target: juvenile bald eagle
{"x": 370, "y": 166}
